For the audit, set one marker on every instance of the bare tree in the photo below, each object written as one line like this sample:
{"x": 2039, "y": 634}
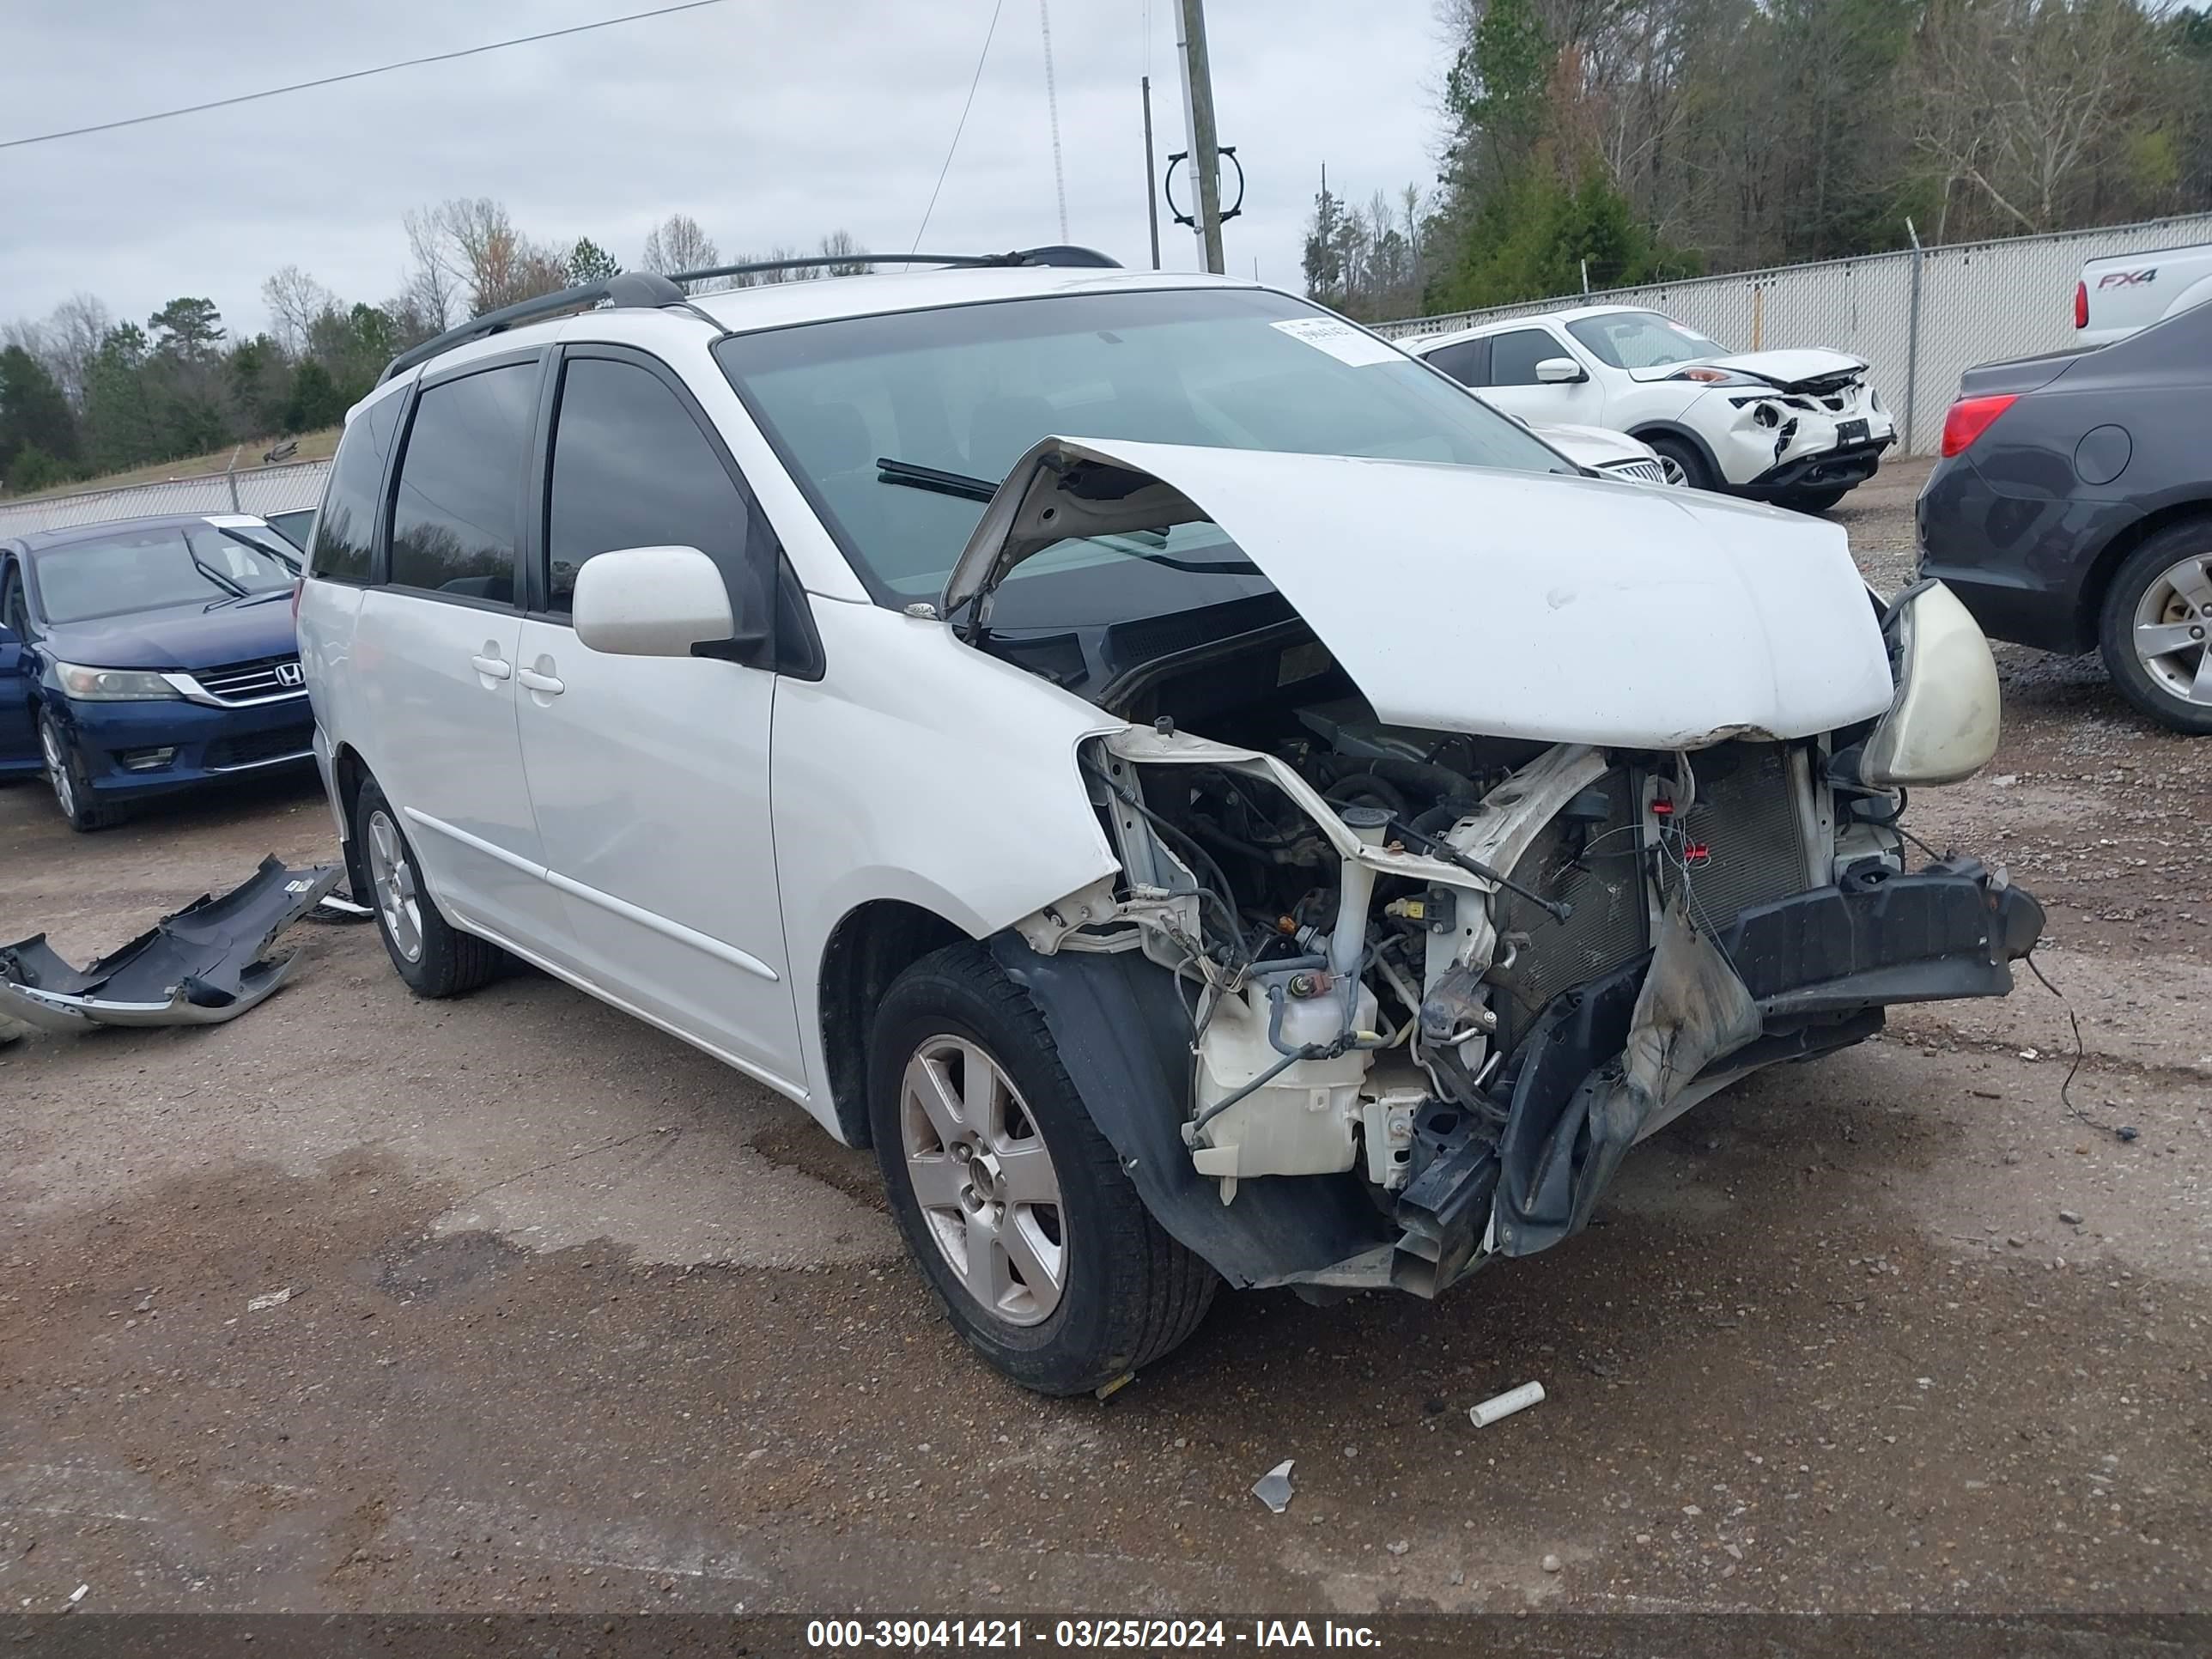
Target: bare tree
{"x": 839, "y": 245}
{"x": 469, "y": 248}
{"x": 2014, "y": 96}
{"x": 678, "y": 243}
{"x": 432, "y": 289}
{"x": 66, "y": 343}
{"x": 804, "y": 273}
{"x": 295, "y": 300}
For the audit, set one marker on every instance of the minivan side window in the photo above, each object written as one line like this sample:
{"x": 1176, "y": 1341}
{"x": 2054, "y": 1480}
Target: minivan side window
{"x": 347, "y": 523}
{"x": 1514, "y": 357}
{"x": 457, "y": 512}
{"x": 632, "y": 469}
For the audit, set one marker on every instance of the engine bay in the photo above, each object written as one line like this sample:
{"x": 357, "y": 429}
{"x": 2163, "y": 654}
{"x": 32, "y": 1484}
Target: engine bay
{"x": 1365, "y": 920}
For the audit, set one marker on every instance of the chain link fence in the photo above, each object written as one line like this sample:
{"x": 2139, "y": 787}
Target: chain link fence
{"x": 1920, "y": 317}
{"x": 260, "y": 489}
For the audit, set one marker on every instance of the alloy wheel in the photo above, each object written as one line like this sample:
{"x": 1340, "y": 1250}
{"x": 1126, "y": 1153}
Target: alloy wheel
{"x": 392, "y": 879}
{"x": 2171, "y": 623}
{"x": 983, "y": 1179}
{"x": 58, "y": 768}
{"x": 1671, "y": 470}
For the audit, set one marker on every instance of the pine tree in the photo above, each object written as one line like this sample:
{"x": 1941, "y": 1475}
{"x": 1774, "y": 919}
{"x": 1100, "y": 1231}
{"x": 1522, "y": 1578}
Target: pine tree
{"x": 34, "y": 417}
{"x": 590, "y": 263}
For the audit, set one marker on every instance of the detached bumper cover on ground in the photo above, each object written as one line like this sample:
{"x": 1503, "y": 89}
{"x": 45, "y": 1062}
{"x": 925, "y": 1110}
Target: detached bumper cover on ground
{"x": 1787, "y": 980}
{"x": 199, "y": 967}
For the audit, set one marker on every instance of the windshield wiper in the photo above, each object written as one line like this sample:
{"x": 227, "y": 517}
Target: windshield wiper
{"x": 236, "y": 590}
{"x": 933, "y": 479}
{"x": 286, "y": 559}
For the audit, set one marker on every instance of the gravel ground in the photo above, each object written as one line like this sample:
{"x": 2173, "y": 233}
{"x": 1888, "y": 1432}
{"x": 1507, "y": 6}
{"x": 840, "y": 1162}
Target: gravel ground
{"x": 579, "y": 1319}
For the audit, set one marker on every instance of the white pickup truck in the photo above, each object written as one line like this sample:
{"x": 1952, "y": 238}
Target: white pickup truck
{"x": 2123, "y": 292}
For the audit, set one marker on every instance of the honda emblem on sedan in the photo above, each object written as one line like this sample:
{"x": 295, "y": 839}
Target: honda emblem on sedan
{"x": 289, "y": 675}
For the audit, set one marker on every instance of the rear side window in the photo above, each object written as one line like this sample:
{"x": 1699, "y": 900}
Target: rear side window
{"x": 632, "y": 469}
{"x": 1464, "y": 362}
{"x": 457, "y": 513}
{"x": 347, "y": 526}
{"x": 1514, "y": 357}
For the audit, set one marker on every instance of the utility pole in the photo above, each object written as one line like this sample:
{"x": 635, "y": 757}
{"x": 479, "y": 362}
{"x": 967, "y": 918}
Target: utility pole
{"x": 1152, "y": 178}
{"x": 1205, "y": 149}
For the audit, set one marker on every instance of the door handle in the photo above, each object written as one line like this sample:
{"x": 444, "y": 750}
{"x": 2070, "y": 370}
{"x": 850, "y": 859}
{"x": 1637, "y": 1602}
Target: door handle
{"x": 491, "y": 667}
{"x": 542, "y": 683}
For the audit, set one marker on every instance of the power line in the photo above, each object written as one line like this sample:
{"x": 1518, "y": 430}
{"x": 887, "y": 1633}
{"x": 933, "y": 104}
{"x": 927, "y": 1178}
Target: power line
{"x": 356, "y": 75}
{"x": 962, "y": 125}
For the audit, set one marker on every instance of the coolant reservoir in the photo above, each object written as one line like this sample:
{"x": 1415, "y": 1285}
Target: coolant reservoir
{"x": 1301, "y": 1122}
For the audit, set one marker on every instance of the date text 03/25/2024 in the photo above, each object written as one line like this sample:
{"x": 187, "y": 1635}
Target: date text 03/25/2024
{"x": 1067, "y": 1635}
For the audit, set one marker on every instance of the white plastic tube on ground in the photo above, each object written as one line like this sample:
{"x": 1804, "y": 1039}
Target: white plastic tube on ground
{"x": 1513, "y": 1399}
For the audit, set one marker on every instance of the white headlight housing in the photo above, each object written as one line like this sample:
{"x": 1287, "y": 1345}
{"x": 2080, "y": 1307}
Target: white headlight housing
{"x": 111, "y": 684}
{"x": 1943, "y": 724}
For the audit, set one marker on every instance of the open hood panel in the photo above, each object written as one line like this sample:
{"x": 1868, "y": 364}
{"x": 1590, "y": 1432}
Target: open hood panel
{"x": 1505, "y": 603}
{"x": 1812, "y": 369}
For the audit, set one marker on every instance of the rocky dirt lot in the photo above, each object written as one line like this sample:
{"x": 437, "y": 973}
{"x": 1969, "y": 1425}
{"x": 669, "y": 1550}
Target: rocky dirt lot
{"x": 579, "y": 1319}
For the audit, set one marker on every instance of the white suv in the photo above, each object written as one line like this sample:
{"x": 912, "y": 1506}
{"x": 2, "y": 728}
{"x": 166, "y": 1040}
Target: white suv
{"x": 1800, "y": 427}
{"x": 1293, "y": 829}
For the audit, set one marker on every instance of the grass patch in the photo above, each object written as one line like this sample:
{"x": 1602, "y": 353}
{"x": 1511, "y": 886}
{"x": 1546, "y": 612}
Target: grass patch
{"x": 314, "y": 446}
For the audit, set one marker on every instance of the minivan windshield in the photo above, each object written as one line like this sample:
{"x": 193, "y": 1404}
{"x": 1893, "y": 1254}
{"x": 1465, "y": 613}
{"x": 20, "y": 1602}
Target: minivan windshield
{"x": 151, "y": 570}
{"x": 967, "y": 389}
{"x": 1642, "y": 339}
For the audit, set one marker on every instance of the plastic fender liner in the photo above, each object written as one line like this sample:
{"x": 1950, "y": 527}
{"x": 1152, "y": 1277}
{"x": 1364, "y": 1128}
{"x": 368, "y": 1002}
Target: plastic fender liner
{"x": 201, "y": 966}
{"x": 1124, "y": 1036}
{"x": 1815, "y": 966}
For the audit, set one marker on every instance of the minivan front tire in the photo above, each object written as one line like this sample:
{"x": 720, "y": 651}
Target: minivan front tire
{"x": 434, "y": 957}
{"x": 1014, "y": 1205}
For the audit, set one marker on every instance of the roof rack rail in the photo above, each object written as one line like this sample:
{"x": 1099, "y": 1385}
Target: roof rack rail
{"x": 1059, "y": 254}
{"x": 647, "y": 289}
{"x": 630, "y": 287}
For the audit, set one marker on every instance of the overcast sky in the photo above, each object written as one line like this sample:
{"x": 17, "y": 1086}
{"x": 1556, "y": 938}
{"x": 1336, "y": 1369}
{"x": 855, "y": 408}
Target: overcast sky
{"x": 767, "y": 120}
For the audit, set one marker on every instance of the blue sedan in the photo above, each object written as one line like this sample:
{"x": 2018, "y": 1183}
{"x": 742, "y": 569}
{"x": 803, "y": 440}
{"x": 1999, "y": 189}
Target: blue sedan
{"x": 148, "y": 656}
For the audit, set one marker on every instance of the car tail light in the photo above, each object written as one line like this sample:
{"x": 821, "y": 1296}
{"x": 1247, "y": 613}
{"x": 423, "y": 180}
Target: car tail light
{"x": 2080, "y": 305}
{"x": 1970, "y": 418}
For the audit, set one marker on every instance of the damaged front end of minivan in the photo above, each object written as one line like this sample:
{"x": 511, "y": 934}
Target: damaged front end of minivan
{"x": 1483, "y": 873}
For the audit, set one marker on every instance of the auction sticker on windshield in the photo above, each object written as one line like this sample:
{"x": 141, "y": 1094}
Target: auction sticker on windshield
{"x": 1341, "y": 340}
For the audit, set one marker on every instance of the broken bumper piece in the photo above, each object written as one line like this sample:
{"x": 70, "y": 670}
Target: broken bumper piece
{"x": 199, "y": 967}
{"x": 1613, "y": 1059}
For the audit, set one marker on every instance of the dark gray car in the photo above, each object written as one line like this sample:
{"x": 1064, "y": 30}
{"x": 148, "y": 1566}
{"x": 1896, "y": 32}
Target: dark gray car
{"x": 2073, "y": 508}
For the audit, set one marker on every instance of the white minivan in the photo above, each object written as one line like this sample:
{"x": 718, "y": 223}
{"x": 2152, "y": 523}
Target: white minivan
{"x": 1202, "y": 795}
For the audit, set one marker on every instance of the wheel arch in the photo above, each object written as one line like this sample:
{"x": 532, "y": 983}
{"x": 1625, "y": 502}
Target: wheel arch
{"x": 349, "y": 771}
{"x": 1647, "y": 430}
{"x": 2089, "y": 606}
{"x": 872, "y": 945}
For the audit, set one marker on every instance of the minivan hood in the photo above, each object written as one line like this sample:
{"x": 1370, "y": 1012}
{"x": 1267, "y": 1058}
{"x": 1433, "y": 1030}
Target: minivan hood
{"x": 1510, "y": 604}
{"x": 1809, "y": 366}
{"x": 180, "y": 636}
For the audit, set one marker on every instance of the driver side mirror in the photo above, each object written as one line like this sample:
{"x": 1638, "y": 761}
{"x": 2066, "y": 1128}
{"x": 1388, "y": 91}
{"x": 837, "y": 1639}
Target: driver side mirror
{"x": 1560, "y": 371}
{"x": 651, "y": 602}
